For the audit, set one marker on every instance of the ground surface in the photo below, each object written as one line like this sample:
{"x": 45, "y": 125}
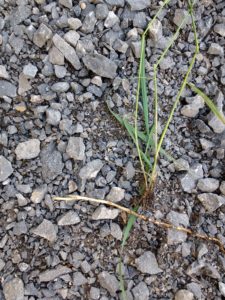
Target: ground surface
{"x": 61, "y": 62}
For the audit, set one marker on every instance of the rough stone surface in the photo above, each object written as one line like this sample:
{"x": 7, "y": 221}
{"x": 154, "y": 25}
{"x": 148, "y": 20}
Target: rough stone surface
{"x": 191, "y": 110}
{"x": 184, "y": 295}
{"x": 216, "y": 49}
{"x": 7, "y": 89}
{"x": 220, "y": 29}
{"x": 46, "y": 230}
{"x": 189, "y": 180}
{"x": 53, "y": 117}
{"x": 72, "y": 37}
{"x": 42, "y": 35}
{"x": 14, "y": 289}
{"x": 116, "y": 194}
{"x": 75, "y": 148}
{"x": 91, "y": 169}
{"x": 39, "y": 193}
{"x": 208, "y": 185}
{"x": 147, "y": 264}
{"x": 30, "y": 70}
{"x": 108, "y": 282}
{"x": 222, "y": 187}
{"x": 138, "y": 5}
{"x": 100, "y": 65}
{"x": 103, "y": 212}
{"x": 52, "y": 164}
{"x": 5, "y": 168}
{"x": 177, "y": 219}
{"x": 214, "y": 122}
{"x": 141, "y": 291}
{"x": 50, "y": 275}
{"x": 28, "y": 150}
{"x": 70, "y": 218}
{"x": 3, "y": 72}
{"x": 211, "y": 201}
{"x": 67, "y": 50}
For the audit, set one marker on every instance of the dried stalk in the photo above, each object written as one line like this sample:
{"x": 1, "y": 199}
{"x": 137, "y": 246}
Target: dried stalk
{"x": 144, "y": 218}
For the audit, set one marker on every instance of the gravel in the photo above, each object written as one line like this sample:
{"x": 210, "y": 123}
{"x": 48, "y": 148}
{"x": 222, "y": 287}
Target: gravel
{"x": 100, "y": 65}
{"x": 108, "y": 282}
{"x": 50, "y": 275}
{"x": 28, "y": 150}
{"x": 103, "y": 212}
{"x": 14, "y": 289}
{"x": 147, "y": 264}
{"x": 70, "y": 218}
{"x": 7, "y": 89}
{"x": 62, "y": 63}
{"x": 67, "y": 50}
{"x": 46, "y": 230}
{"x": 211, "y": 201}
{"x": 75, "y": 148}
{"x": 208, "y": 185}
{"x": 5, "y": 168}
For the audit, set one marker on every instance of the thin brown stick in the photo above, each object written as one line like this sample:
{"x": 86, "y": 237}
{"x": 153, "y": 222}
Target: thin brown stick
{"x": 146, "y": 219}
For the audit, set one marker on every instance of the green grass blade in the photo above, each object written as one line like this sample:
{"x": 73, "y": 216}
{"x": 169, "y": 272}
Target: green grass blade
{"x": 143, "y": 83}
{"x": 128, "y": 228}
{"x": 121, "y": 280}
{"x": 208, "y": 102}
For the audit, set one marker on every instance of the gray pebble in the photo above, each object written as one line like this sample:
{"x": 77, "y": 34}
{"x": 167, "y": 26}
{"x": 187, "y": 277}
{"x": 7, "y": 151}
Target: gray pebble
{"x": 56, "y": 57}
{"x": 104, "y": 213}
{"x": 7, "y": 89}
{"x": 3, "y": 73}
{"x": 214, "y": 122}
{"x": 222, "y": 187}
{"x": 216, "y": 49}
{"x": 116, "y": 194}
{"x": 147, "y": 264}
{"x": 177, "y": 219}
{"x": 2, "y": 264}
{"x": 66, "y": 3}
{"x": 53, "y": 117}
{"x": 28, "y": 150}
{"x": 220, "y": 29}
{"x": 67, "y": 50}
{"x": 100, "y": 65}
{"x": 52, "y": 164}
{"x": 89, "y": 23}
{"x": 191, "y": 110}
{"x": 60, "y": 87}
{"x": 189, "y": 180}
{"x": 111, "y": 20}
{"x": 42, "y": 35}
{"x": 60, "y": 71}
{"x": 46, "y": 230}
{"x": 70, "y": 218}
{"x": 138, "y": 5}
{"x": 30, "y": 70}
{"x": 94, "y": 293}
{"x": 222, "y": 288}
{"x": 208, "y": 185}
{"x": 72, "y": 37}
{"x": 50, "y": 275}
{"x": 74, "y": 23}
{"x": 141, "y": 291}
{"x": 91, "y": 169}
{"x": 5, "y": 168}
{"x": 211, "y": 201}
{"x": 76, "y": 148}
{"x": 184, "y": 295}
{"x": 79, "y": 279}
{"x": 101, "y": 11}
{"x": 39, "y": 193}
{"x": 108, "y": 282}
{"x": 14, "y": 289}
